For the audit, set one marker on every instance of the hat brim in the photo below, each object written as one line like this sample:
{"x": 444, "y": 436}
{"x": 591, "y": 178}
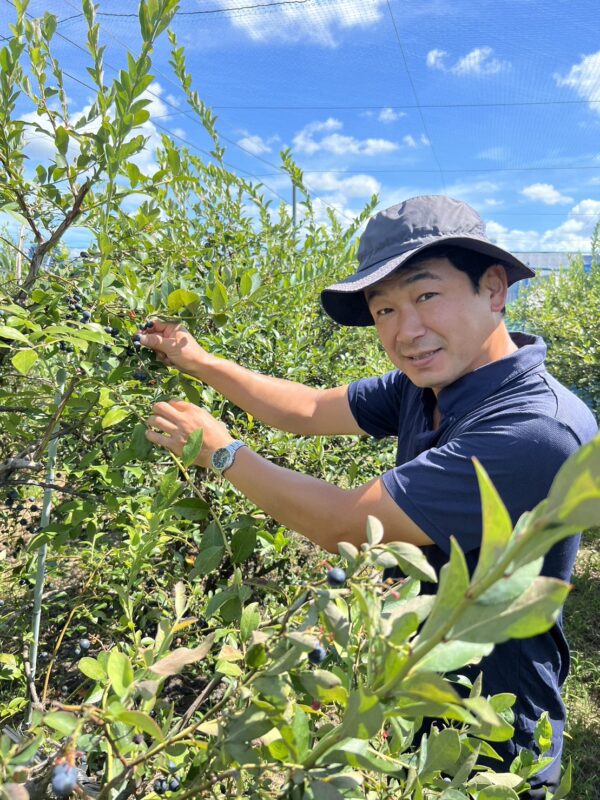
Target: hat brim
{"x": 345, "y": 301}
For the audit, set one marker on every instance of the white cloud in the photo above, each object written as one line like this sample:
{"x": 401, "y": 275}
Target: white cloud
{"x": 254, "y": 144}
{"x": 355, "y": 186}
{"x": 545, "y": 193}
{"x": 584, "y": 78}
{"x": 311, "y": 22}
{"x": 409, "y": 141}
{"x": 435, "y": 59}
{"x": 494, "y": 153}
{"x": 336, "y": 143}
{"x": 389, "y": 115}
{"x": 574, "y": 235}
{"x": 479, "y": 61}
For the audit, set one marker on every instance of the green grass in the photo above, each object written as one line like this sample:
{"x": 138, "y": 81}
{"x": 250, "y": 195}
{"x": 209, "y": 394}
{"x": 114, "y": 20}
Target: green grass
{"x": 582, "y": 689}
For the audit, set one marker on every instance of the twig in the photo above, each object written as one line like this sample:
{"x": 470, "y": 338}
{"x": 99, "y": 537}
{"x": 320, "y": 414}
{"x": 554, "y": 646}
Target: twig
{"x": 197, "y": 703}
{"x": 37, "y": 705}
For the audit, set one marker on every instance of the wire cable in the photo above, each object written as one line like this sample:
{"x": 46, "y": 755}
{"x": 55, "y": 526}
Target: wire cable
{"x": 414, "y": 91}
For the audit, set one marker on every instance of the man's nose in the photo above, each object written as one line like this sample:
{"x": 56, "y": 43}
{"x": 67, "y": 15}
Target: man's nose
{"x": 410, "y": 327}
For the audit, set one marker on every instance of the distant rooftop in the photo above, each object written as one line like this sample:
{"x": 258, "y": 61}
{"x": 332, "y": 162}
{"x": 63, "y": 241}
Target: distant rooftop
{"x": 544, "y": 264}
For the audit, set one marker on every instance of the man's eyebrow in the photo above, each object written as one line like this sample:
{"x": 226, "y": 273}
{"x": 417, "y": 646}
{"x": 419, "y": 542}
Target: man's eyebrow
{"x": 411, "y": 277}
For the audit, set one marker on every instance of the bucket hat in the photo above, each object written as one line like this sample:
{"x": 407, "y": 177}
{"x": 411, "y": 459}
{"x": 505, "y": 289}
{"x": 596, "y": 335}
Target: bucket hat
{"x": 394, "y": 236}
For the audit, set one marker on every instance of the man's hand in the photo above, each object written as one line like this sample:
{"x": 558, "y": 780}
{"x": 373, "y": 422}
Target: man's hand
{"x": 176, "y": 420}
{"x": 174, "y": 346}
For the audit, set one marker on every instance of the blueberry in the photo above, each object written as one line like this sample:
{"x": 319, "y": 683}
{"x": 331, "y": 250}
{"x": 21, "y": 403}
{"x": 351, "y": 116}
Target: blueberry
{"x": 174, "y": 784}
{"x": 34, "y": 509}
{"x": 85, "y": 316}
{"x": 140, "y": 376}
{"x": 78, "y": 307}
{"x": 336, "y": 577}
{"x": 107, "y": 348}
{"x": 64, "y": 780}
{"x": 172, "y": 766}
{"x": 318, "y": 655}
{"x": 114, "y": 331}
{"x": 77, "y": 652}
{"x": 84, "y": 644}
{"x": 138, "y": 738}
{"x": 160, "y": 786}
{"x": 108, "y": 329}
{"x": 136, "y": 338}
{"x": 149, "y": 324}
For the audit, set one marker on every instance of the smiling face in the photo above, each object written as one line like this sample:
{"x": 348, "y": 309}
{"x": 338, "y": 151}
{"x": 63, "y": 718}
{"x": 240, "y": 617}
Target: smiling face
{"x": 434, "y": 326}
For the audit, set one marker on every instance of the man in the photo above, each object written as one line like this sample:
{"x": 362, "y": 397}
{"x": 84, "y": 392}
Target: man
{"x": 435, "y": 288}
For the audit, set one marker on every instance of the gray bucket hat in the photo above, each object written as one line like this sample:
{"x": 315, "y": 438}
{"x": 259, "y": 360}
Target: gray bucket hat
{"x": 392, "y": 237}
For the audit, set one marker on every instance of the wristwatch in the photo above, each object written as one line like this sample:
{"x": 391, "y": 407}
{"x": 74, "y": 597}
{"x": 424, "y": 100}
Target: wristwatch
{"x": 224, "y": 457}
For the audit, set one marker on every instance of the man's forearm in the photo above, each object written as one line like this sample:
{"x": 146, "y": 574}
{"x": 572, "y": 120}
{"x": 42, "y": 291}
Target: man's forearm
{"x": 279, "y": 403}
{"x": 321, "y": 512}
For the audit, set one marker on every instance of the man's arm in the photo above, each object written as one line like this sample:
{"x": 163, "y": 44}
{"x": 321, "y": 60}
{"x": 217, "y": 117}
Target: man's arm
{"x": 279, "y": 403}
{"x": 318, "y": 510}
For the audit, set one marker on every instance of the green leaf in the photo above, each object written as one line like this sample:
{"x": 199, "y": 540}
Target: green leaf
{"x": 61, "y": 139}
{"x": 454, "y": 582}
{"x": 374, "y": 530}
{"x": 23, "y": 360}
{"x": 325, "y": 791}
{"x": 535, "y": 611}
{"x": 411, "y": 560}
{"x": 497, "y": 524}
{"x": 62, "y": 721}
{"x": 364, "y": 715}
{"x": 92, "y": 669}
{"x": 12, "y": 333}
{"x": 192, "y": 508}
{"x": 443, "y": 752}
{"x": 448, "y": 656}
{"x": 564, "y": 787}
{"x": 120, "y": 672}
{"x": 242, "y": 544}
{"x": 543, "y": 733}
{"x": 574, "y": 497}
{"x": 250, "y": 621}
{"x": 208, "y": 560}
{"x": 219, "y": 297}
{"x": 27, "y": 752}
{"x": 142, "y": 722}
{"x": 193, "y": 447}
{"x": 182, "y": 298}
{"x": 114, "y": 416}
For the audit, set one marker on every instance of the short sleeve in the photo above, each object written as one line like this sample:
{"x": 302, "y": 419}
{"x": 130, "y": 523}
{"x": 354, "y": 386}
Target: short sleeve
{"x": 438, "y": 489}
{"x": 376, "y": 402}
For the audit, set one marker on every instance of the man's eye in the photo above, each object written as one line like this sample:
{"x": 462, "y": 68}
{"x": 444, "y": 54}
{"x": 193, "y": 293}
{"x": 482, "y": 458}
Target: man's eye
{"x": 382, "y": 312}
{"x": 426, "y": 296}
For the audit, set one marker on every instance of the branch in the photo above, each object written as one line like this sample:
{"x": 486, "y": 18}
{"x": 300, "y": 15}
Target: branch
{"x": 12, "y": 464}
{"x": 42, "y": 249}
{"x": 37, "y": 706}
{"x": 22, "y": 204}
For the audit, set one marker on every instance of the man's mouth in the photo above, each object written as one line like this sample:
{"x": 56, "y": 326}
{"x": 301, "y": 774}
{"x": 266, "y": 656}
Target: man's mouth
{"x": 418, "y": 357}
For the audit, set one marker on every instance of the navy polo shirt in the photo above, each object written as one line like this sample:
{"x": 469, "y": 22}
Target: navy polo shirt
{"x": 522, "y": 425}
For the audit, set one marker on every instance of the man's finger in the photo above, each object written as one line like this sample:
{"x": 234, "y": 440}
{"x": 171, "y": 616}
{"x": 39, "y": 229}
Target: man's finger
{"x": 162, "y": 423}
{"x": 161, "y": 439}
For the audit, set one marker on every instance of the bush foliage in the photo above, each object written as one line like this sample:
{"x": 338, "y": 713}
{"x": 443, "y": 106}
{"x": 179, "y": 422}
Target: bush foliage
{"x": 158, "y": 634}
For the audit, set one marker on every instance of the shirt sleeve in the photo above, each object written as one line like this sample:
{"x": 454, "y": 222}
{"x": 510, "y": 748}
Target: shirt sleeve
{"x": 375, "y": 403}
{"x": 439, "y": 491}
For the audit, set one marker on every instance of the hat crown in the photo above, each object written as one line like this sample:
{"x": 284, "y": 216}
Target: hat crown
{"x": 413, "y": 223}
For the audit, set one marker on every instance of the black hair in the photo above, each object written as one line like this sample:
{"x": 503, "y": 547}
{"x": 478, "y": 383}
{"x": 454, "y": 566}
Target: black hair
{"x": 469, "y": 261}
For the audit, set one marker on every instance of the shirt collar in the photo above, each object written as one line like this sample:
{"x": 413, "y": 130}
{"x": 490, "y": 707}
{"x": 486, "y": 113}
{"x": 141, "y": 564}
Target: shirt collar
{"x": 470, "y": 390}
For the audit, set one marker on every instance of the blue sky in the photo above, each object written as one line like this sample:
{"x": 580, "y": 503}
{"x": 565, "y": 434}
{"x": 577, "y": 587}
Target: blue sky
{"x": 496, "y": 103}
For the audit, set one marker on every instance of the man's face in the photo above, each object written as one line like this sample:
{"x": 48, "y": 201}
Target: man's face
{"x": 433, "y": 325}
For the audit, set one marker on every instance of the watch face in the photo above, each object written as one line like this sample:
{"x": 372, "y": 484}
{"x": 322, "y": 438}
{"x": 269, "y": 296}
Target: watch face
{"x": 221, "y": 458}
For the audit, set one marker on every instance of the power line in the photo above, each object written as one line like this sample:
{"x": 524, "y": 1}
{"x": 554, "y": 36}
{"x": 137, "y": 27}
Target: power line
{"x": 414, "y": 91}
{"x": 411, "y": 107}
{"x": 195, "y": 120}
{"x": 195, "y": 13}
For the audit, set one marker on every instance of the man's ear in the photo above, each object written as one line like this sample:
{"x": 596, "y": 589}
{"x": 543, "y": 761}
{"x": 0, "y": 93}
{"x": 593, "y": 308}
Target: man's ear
{"x": 494, "y": 282}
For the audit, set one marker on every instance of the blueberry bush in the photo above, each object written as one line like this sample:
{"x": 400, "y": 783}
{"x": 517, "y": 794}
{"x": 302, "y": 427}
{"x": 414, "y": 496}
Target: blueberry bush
{"x": 160, "y": 636}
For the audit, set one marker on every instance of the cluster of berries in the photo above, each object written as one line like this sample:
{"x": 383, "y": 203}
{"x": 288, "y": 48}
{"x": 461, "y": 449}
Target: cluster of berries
{"x": 75, "y": 307}
{"x": 162, "y": 785}
{"x": 82, "y": 647}
{"x": 14, "y": 501}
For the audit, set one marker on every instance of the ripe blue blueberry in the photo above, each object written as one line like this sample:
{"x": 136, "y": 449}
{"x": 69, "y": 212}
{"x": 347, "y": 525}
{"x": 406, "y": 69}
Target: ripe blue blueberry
{"x": 138, "y": 738}
{"x": 85, "y": 316}
{"x": 136, "y": 337}
{"x": 174, "y": 784}
{"x": 318, "y": 655}
{"x": 107, "y": 348}
{"x": 64, "y": 780}
{"x": 336, "y": 577}
{"x": 84, "y": 644}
